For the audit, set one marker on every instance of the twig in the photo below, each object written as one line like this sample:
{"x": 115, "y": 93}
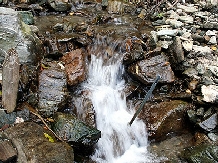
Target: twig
{"x": 145, "y": 99}
{"x": 33, "y": 111}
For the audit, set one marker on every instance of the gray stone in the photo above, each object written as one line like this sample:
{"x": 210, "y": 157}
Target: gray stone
{"x": 187, "y": 9}
{"x": 186, "y": 19}
{"x": 210, "y": 123}
{"x": 175, "y": 23}
{"x": 14, "y": 33}
{"x": 201, "y": 154}
{"x": 52, "y": 90}
{"x": 168, "y": 32}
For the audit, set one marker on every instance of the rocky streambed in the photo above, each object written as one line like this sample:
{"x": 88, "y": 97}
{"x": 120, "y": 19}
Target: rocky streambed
{"x": 54, "y": 120}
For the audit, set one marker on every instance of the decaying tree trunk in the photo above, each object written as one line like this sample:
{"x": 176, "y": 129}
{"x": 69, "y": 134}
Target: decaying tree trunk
{"x": 10, "y": 76}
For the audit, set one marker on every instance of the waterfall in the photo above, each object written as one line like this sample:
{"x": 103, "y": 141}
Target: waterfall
{"x": 119, "y": 142}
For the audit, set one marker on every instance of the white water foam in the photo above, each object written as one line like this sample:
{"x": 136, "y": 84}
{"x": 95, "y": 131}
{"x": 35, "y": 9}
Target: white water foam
{"x": 119, "y": 142}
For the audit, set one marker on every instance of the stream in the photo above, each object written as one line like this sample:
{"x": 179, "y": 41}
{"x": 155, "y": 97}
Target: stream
{"x": 119, "y": 142}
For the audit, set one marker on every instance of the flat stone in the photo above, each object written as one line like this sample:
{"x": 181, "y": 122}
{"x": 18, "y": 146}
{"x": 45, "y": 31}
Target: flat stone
{"x": 175, "y": 23}
{"x": 168, "y": 32}
{"x": 187, "y": 9}
{"x": 186, "y": 19}
{"x": 210, "y": 123}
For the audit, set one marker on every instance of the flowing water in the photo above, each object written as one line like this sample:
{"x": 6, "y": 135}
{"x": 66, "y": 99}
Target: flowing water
{"x": 119, "y": 142}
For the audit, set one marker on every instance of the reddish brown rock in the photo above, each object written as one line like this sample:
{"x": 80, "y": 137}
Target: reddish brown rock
{"x": 165, "y": 118}
{"x": 74, "y": 66}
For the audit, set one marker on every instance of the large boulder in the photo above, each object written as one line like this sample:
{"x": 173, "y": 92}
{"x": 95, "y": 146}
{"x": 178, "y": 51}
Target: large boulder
{"x": 33, "y": 146}
{"x": 165, "y": 118}
{"x": 16, "y": 34}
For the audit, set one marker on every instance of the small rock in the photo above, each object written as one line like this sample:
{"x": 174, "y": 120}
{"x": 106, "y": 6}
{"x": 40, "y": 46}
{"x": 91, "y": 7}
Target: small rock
{"x": 210, "y": 33}
{"x": 210, "y": 93}
{"x": 212, "y": 40}
{"x": 187, "y": 9}
{"x": 186, "y": 19}
{"x": 213, "y": 137}
{"x": 174, "y": 23}
{"x": 202, "y": 49}
{"x": 168, "y": 32}
{"x": 187, "y": 45}
{"x": 210, "y": 123}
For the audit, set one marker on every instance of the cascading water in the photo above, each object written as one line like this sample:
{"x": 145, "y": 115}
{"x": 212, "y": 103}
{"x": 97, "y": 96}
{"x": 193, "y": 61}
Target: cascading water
{"x": 119, "y": 142}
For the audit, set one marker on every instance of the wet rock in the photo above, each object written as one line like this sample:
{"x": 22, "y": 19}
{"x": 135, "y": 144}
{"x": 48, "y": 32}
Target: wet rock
{"x": 201, "y": 153}
{"x": 132, "y": 57}
{"x": 210, "y": 123}
{"x": 147, "y": 70}
{"x": 52, "y": 90}
{"x": 75, "y": 66}
{"x": 165, "y": 118}
{"x": 198, "y": 38}
{"x": 177, "y": 143}
{"x": 74, "y": 131}
{"x": 15, "y": 33}
{"x": 33, "y": 146}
